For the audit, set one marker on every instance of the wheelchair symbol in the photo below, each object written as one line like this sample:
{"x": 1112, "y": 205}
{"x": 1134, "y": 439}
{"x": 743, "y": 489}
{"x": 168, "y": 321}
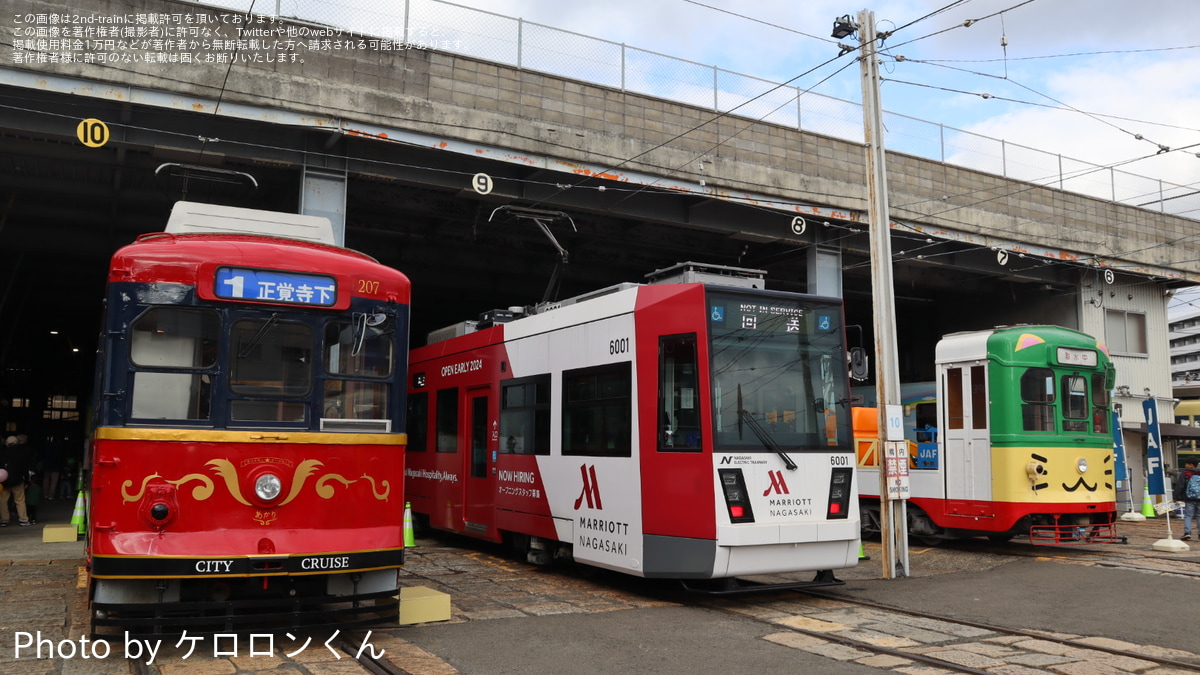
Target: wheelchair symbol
{"x": 718, "y": 313}
{"x": 823, "y": 323}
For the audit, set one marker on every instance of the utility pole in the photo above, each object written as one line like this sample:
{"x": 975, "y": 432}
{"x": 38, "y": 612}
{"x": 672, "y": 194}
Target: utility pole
{"x": 892, "y": 497}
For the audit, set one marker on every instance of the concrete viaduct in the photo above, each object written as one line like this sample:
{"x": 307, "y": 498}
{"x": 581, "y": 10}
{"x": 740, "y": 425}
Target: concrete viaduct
{"x": 389, "y": 142}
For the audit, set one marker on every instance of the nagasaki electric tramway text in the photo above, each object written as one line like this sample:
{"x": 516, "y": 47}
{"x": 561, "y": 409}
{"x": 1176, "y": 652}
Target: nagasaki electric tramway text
{"x": 693, "y": 428}
{"x": 248, "y": 449}
{"x": 1023, "y": 441}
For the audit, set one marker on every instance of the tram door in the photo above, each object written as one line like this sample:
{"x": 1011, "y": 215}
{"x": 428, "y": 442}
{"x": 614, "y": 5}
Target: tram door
{"x": 481, "y": 439}
{"x": 966, "y": 438}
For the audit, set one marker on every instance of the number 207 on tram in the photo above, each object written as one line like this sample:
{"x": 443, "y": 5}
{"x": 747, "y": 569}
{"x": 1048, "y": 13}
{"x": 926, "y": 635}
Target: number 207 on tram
{"x": 671, "y": 430}
{"x": 244, "y": 466}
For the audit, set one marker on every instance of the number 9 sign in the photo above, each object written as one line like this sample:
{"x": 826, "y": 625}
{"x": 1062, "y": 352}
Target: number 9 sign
{"x": 482, "y": 183}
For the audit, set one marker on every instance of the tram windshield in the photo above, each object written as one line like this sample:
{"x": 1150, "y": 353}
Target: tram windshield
{"x": 779, "y": 374}
{"x": 172, "y": 349}
{"x": 357, "y": 352}
{"x": 271, "y": 366}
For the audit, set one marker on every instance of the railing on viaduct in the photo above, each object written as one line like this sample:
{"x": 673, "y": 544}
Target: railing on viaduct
{"x": 444, "y": 26}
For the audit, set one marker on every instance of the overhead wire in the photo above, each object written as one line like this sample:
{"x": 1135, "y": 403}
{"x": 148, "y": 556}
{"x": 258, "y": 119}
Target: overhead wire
{"x": 761, "y": 21}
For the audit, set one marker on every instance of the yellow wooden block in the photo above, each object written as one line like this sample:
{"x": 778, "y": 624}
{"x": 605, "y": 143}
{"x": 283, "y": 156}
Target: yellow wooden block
{"x": 419, "y": 604}
{"x": 59, "y": 532}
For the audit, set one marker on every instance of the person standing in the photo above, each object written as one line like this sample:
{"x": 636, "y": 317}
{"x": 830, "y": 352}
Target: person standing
{"x": 1187, "y": 490}
{"x": 52, "y": 461}
{"x": 33, "y": 496}
{"x": 17, "y": 463}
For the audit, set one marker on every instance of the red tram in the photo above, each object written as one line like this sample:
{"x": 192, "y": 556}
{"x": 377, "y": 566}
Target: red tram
{"x": 693, "y": 428}
{"x": 248, "y": 447}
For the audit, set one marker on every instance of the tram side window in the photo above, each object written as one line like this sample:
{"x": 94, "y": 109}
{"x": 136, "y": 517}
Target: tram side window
{"x": 678, "y": 407}
{"x": 418, "y": 422}
{"x": 173, "y": 339}
{"x": 597, "y": 411}
{"x": 447, "y": 420}
{"x": 270, "y": 359}
{"x": 979, "y": 397}
{"x": 525, "y": 416}
{"x": 355, "y": 350}
{"x": 1100, "y": 403}
{"x": 1037, "y": 396}
{"x": 955, "y": 415}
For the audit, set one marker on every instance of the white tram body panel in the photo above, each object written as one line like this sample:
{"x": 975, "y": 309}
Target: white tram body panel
{"x": 601, "y": 418}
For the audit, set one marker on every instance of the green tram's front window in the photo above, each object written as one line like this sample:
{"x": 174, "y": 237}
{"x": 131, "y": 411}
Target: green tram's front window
{"x": 779, "y": 373}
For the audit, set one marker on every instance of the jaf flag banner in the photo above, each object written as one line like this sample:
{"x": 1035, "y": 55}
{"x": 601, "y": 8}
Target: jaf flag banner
{"x": 1154, "y": 457}
{"x": 1122, "y": 473}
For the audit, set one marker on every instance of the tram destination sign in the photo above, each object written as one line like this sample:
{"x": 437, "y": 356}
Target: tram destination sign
{"x": 292, "y": 288}
{"x": 730, "y": 313}
{"x": 1077, "y": 357}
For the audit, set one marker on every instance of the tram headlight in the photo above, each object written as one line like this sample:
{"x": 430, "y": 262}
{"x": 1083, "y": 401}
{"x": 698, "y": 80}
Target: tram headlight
{"x": 268, "y": 486}
{"x": 1081, "y": 465}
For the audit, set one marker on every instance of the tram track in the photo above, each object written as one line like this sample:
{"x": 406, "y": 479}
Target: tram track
{"x": 1107, "y": 559}
{"x": 996, "y": 631}
{"x": 376, "y": 665}
{"x": 871, "y": 631}
{"x": 1008, "y": 645}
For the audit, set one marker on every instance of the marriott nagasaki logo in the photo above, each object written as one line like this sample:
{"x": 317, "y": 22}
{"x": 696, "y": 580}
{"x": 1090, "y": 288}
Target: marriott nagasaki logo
{"x": 591, "y": 488}
{"x": 778, "y": 484}
{"x": 598, "y": 534}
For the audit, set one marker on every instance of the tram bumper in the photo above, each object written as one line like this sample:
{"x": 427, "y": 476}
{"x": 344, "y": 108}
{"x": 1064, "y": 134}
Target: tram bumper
{"x": 274, "y": 593}
{"x": 748, "y": 549}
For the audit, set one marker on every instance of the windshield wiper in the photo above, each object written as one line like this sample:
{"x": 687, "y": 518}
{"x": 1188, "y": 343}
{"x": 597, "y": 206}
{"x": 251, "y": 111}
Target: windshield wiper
{"x": 249, "y": 346}
{"x": 760, "y": 433}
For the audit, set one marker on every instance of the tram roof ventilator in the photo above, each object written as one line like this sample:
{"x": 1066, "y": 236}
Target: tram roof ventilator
{"x": 705, "y": 273}
{"x": 198, "y": 218}
{"x": 680, "y": 273}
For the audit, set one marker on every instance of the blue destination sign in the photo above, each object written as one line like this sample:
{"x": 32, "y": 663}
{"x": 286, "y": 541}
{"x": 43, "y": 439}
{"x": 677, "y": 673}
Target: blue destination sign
{"x": 235, "y": 283}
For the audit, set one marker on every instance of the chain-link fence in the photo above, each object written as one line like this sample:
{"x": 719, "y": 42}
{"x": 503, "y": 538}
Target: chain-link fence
{"x": 444, "y": 26}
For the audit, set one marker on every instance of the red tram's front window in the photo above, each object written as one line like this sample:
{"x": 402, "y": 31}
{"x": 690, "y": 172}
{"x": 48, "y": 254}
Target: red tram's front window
{"x": 355, "y": 352}
{"x": 270, "y": 359}
{"x": 170, "y": 347}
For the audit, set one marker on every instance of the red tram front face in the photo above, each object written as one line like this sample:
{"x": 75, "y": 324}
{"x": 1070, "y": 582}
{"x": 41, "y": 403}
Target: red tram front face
{"x": 249, "y": 439}
{"x": 238, "y": 503}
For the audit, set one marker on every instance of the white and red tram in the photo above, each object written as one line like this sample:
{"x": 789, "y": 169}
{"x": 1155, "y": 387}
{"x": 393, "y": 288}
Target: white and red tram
{"x": 697, "y": 427}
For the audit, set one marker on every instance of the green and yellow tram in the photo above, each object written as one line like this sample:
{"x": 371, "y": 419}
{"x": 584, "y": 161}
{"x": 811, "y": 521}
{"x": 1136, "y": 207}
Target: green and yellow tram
{"x": 1023, "y": 444}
